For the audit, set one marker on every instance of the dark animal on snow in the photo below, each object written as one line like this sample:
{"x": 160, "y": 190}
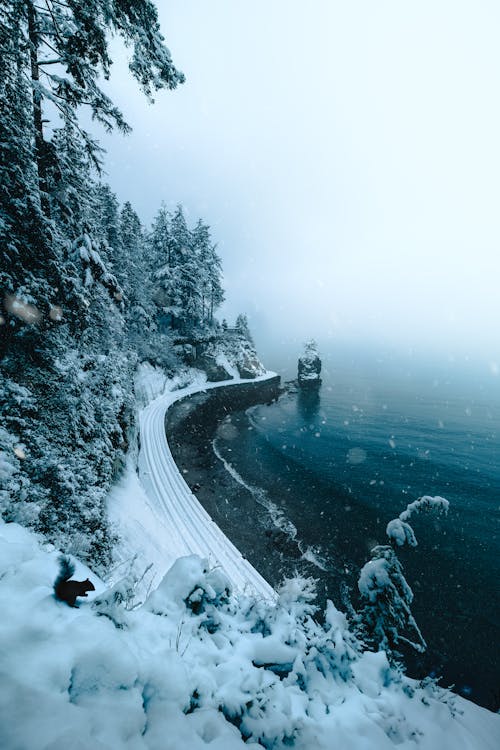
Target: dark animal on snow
{"x": 66, "y": 590}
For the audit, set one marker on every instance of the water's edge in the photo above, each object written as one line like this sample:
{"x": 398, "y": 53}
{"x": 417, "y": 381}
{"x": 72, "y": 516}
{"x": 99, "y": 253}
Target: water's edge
{"x": 242, "y": 509}
{"x": 190, "y": 426}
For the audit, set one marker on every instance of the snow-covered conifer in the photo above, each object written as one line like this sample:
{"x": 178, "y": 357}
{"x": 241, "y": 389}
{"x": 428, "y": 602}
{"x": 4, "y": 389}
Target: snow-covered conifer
{"x": 209, "y": 272}
{"x": 188, "y": 272}
{"x": 242, "y": 327}
{"x": 385, "y": 619}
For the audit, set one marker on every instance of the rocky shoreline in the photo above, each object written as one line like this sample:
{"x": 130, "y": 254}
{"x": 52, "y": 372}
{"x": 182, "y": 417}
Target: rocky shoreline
{"x": 191, "y": 425}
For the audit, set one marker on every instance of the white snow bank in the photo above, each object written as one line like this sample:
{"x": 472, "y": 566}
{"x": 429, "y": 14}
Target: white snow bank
{"x": 196, "y": 667}
{"x": 152, "y": 382}
{"x": 155, "y": 514}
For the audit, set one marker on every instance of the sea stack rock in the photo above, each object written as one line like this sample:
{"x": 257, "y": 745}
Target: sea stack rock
{"x": 309, "y": 368}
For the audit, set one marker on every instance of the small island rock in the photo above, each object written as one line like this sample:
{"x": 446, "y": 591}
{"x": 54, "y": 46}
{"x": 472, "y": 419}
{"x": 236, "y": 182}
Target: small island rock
{"x": 309, "y": 366}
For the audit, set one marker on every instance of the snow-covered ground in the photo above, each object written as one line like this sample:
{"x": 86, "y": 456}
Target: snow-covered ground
{"x": 207, "y": 656}
{"x": 198, "y": 668}
{"x": 157, "y": 517}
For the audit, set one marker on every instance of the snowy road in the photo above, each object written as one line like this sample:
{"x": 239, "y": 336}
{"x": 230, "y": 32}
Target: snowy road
{"x": 186, "y": 527}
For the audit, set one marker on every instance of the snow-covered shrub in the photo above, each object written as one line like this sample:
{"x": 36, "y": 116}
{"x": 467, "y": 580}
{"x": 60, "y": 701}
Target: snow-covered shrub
{"x": 193, "y": 584}
{"x": 385, "y": 619}
{"x": 116, "y": 601}
{"x": 401, "y": 533}
{"x": 65, "y": 438}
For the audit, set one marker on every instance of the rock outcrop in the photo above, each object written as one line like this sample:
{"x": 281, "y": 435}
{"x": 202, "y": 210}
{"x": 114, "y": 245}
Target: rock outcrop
{"x": 231, "y": 355}
{"x": 309, "y": 366}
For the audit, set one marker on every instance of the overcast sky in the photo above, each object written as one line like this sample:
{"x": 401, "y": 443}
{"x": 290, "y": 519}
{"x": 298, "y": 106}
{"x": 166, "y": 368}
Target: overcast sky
{"x": 347, "y": 157}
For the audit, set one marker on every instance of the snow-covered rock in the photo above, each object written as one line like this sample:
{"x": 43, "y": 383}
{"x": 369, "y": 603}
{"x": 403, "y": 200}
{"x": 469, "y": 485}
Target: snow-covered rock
{"x": 309, "y": 365}
{"x": 231, "y": 354}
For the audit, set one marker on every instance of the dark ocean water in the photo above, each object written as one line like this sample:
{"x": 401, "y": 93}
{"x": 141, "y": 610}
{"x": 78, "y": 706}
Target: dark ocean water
{"x": 329, "y": 468}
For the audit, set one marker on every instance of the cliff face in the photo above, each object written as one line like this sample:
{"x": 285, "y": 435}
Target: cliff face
{"x": 230, "y": 355}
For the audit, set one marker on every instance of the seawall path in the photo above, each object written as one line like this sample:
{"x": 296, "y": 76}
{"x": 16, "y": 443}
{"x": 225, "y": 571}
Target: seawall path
{"x": 186, "y": 526}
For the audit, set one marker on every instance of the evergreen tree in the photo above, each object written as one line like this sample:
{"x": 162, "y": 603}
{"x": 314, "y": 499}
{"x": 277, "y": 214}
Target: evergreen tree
{"x": 160, "y": 239}
{"x": 162, "y": 251}
{"x": 385, "y": 619}
{"x": 66, "y": 381}
{"x": 84, "y": 216}
{"x": 217, "y": 295}
{"x": 242, "y": 327}
{"x": 30, "y": 257}
{"x": 187, "y": 274}
{"x": 69, "y": 50}
{"x": 178, "y": 294}
{"x": 107, "y": 220}
{"x": 202, "y": 249}
{"x": 135, "y": 273}
{"x": 209, "y": 272}
{"x": 186, "y": 277}
{"x": 130, "y": 261}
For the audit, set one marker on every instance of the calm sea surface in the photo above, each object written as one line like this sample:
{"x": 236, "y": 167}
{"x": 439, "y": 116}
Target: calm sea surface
{"x": 329, "y": 469}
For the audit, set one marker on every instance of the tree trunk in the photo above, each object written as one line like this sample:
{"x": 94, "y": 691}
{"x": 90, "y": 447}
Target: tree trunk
{"x": 37, "y": 110}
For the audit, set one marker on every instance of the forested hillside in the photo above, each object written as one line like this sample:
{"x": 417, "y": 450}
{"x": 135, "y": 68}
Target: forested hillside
{"x": 86, "y": 290}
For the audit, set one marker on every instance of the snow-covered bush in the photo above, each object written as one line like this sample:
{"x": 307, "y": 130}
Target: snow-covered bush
{"x": 191, "y": 583}
{"x": 385, "y": 619}
{"x": 67, "y": 445}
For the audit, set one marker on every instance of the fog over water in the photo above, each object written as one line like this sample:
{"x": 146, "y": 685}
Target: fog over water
{"x": 346, "y": 156}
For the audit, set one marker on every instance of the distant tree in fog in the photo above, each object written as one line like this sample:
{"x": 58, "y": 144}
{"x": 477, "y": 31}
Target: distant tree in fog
{"x": 242, "y": 326}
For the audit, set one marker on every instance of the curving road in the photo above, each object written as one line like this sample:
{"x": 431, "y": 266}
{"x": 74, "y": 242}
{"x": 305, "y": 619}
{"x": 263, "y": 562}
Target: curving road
{"x": 189, "y": 527}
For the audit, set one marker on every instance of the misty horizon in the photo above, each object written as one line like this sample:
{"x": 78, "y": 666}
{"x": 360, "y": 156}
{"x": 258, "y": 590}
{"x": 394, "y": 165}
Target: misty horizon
{"x": 348, "y": 170}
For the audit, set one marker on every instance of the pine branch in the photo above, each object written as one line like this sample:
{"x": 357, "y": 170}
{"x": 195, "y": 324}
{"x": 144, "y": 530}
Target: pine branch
{"x": 47, "y": 44}
{"x": 56, "y": 27}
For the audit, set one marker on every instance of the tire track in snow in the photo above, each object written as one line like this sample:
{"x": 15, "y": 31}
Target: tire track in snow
{"x": 191, "y": 530}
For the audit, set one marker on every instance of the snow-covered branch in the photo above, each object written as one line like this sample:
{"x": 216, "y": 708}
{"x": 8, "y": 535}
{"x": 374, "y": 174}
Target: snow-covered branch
{"x": 399, "y": 530}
